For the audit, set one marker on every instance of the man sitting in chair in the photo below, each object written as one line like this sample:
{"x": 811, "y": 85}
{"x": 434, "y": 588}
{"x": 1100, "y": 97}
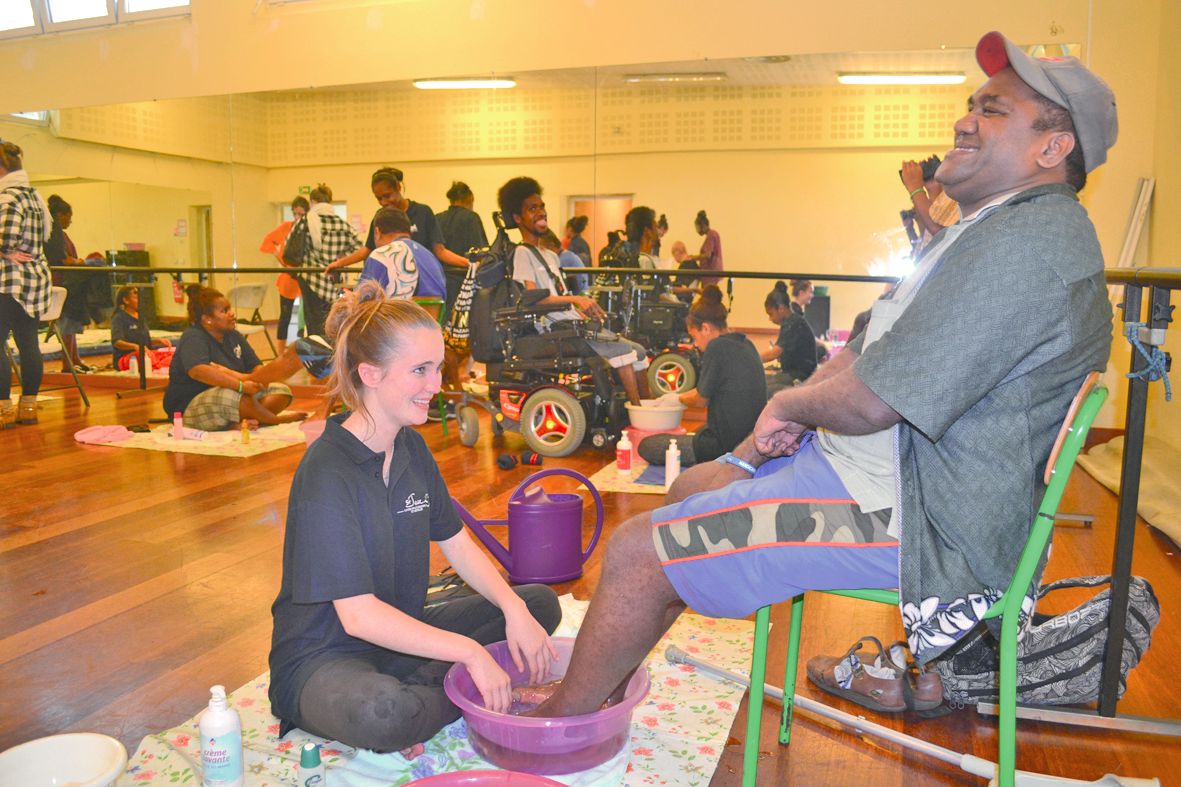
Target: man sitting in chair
{"x": 537, "y": 268}
{"x": 913, "y": 459}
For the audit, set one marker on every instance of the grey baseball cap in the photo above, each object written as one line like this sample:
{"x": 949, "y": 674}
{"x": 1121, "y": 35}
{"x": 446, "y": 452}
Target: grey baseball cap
{"x": 1066, "y": 82}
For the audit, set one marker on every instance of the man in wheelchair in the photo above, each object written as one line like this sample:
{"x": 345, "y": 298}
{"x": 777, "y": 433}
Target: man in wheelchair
{"x": 538, "y": 269}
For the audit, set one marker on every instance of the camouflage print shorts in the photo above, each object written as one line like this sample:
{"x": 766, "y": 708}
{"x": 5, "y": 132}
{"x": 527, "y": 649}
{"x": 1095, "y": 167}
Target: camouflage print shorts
{"x": 729, "y": 551}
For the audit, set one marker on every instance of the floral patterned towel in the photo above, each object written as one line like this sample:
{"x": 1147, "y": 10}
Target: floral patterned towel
{"x": 262, "y": 440}
{"x": 678, "y": 732}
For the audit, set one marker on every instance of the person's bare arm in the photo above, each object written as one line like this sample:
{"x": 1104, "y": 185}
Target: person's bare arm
{"x": 220, "y": 377}
{"x": 838, "y": 401}
{"x": 588, "y": 307}
{"x": 349, "y": 259}
{"x": 912, "y": 180}
{"x": 448, "y": 257}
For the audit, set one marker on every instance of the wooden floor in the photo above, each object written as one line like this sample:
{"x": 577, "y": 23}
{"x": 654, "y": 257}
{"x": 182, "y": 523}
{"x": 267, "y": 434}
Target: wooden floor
{"x": 131, "y": 581}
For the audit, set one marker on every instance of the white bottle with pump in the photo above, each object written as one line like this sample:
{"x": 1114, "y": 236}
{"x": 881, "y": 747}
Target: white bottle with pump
{"x": 623, "y": 455}
{"x": 221, "y": 742}
{"x": 672, "y": 463}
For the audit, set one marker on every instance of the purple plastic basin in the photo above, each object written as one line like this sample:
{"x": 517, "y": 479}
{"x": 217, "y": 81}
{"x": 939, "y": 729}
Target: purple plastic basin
{"x": 543, "y": 746}
{"x": 487, "y": 779}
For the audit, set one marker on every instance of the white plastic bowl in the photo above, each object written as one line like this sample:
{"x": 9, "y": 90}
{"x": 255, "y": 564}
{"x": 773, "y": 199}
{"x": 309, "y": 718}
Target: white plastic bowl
{"x": 652, "y": 417}
{"x": 77, "y": 759}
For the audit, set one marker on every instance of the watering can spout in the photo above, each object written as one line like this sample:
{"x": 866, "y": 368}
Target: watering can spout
{"x": 479, "y": 529}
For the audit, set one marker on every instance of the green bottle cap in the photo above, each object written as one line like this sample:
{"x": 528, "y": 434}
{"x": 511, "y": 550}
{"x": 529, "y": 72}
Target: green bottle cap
{"x": 309, "y": 757}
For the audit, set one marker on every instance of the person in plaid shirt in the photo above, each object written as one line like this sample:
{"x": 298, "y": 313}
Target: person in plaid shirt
{"x": 24, "y": 282}
{"x": 331, "y": 238}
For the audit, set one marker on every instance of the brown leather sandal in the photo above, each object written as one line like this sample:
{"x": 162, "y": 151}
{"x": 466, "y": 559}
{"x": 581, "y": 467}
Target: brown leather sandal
{"x": 881, "y": 684}
{"x": 923, "y": 690}
{"x": 847, "y": 677}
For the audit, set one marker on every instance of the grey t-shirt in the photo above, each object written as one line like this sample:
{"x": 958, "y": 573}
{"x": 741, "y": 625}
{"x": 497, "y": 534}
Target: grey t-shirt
{"x": 529, "y": 269}
{"x": 982, "y": 367}
{"x": 866, "y": 463}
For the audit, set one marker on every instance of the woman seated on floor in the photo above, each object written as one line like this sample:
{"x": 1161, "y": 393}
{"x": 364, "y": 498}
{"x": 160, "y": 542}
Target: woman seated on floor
{"x": 732, "y": 387}
{"x": 356, "y": 656}
{"x": 216, "y": 380}
{"x": 129, "y": 333}
{"x": 795, "y": 347}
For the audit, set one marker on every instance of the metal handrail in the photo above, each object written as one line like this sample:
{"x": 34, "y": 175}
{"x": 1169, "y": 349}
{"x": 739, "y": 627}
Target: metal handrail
{"x": 1166, "y": 278}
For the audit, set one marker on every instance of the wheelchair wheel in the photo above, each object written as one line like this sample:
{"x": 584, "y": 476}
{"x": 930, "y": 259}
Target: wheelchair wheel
{"x": 553, "y": 422}
{"x": 671, "y": 373}
{"x": 469, "y": 426}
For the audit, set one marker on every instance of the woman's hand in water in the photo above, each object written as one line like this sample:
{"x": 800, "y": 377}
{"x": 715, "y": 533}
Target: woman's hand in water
{"x": 491, "y": 681}
{"x": 529, "y": 645}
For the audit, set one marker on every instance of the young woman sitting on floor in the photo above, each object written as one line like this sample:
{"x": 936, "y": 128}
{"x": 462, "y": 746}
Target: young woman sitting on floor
{"x": 129, "y": 333}
{"x": 216, "y": 380}
{"x": 355, "y": 655}
{"x": 732, "y": 387}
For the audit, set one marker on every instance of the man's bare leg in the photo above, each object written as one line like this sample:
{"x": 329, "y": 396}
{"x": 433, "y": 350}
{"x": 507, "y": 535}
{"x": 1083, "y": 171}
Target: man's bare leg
{"x": 627, "y": 376}
{"x": 633, "y": 606}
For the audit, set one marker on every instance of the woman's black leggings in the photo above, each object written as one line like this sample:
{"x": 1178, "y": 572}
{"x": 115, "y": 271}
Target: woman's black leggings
{"x": 285, "y": 307}
{"x": 15, "y": 320}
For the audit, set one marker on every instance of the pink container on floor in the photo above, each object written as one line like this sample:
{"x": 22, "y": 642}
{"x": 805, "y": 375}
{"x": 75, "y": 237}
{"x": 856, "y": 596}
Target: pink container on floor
{"x": 544, "y": 746}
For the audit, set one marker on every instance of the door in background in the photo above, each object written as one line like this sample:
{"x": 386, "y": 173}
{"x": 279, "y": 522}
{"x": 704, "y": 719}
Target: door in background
{"x": 606, "y": 213}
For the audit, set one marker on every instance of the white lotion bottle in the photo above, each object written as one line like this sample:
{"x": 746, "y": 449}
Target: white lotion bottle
{"x": 221, "y": 742}
{"x": 672, "y": 463}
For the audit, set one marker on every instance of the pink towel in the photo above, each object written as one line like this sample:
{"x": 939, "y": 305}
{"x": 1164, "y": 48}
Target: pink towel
{"x": 103, "y": 434}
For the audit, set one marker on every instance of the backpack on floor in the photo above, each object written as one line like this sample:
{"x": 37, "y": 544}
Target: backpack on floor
{"x": 1060, "y": 658}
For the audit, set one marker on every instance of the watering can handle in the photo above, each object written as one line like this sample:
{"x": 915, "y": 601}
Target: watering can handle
{"x": 528, "y": 482}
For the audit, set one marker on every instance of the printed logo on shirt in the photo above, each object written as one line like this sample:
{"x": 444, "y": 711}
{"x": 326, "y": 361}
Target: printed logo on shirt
{"x": 414, "y": 504}
{"x": 238, "y": 351}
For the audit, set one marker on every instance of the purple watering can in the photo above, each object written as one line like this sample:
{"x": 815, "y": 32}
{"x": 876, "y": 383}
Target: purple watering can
{"x": 544, "y": 531}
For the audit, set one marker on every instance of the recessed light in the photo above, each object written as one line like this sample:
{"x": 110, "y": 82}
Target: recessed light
{"x": 699, "y": 76}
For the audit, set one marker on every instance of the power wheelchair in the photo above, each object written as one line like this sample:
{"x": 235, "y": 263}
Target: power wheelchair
{"x": 550, "y": 387}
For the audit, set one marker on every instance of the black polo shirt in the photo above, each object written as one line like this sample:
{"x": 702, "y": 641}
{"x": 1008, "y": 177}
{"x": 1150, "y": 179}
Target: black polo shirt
{"x": 733, "y": 380}
{"x": 349, "y": 534}
{"x": 424, "y": 228}
{"x": 197, "y": 346}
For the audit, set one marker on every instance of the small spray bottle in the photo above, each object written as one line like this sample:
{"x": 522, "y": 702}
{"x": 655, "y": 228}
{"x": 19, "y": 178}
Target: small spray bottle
{"x": 221, "y": 742}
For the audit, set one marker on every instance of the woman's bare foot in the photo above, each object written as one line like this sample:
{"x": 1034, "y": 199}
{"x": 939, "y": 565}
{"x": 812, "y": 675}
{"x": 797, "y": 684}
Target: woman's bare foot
{"x": 411, "y": 752}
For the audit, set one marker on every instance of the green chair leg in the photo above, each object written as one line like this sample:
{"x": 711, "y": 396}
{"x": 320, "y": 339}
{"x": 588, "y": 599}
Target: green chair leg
{"x": 791, "y": 669}
{"x": 1006, "y": 769}
{"x": 754, "y": 704}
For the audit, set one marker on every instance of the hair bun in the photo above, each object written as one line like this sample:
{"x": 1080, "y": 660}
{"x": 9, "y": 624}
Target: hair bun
{"x": 711, "y": 293}
{"x": 780, "y": 287}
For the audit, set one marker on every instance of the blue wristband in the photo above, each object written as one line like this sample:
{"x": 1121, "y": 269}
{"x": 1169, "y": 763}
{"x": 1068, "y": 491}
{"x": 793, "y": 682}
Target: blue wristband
{"x": 731, "y": 459}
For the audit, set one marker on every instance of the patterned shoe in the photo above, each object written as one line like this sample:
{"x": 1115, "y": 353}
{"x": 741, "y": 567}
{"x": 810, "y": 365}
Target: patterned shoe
{"x": 316, "y": 355}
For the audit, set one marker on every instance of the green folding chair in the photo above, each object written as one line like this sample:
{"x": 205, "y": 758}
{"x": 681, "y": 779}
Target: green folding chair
{"x": 1066, "y": 449}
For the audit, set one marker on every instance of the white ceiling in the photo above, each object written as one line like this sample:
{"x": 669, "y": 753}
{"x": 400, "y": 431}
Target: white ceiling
{"x": 796, "y": 70}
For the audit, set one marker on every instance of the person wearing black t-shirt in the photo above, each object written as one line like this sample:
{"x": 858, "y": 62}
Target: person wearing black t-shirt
{"x": 356, "y": 656}
{"x": 128, "y": 331}
{"x": 732, "y": 387}
{"x": 216, "y": 380}
{"x": 795, "y": 347}
{"x": 390, "y": 192}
